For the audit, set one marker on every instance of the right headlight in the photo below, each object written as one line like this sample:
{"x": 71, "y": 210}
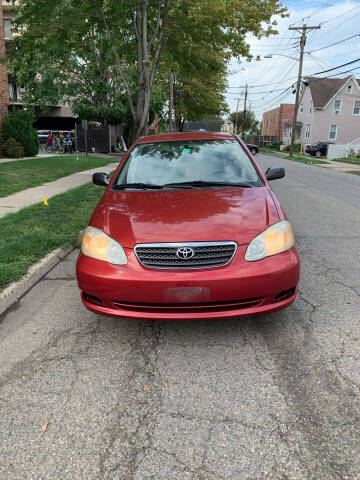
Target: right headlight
{"x": 275, "y": 239}
{"x": 96, "y": 244}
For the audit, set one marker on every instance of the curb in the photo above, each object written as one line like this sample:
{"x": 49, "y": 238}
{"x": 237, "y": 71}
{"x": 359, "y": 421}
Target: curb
{"x": 36, "y": 272}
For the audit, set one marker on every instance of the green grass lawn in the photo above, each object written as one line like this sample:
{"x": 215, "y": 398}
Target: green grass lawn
{"x": 16, "y": 176}
{"x": 33, "y": 232}
{"x": 352, "y": 160}
{"x": 310, "y": 160}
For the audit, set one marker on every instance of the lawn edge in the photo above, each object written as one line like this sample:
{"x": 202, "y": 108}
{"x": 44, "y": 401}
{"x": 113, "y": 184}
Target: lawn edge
{"x": 12, "y": 294}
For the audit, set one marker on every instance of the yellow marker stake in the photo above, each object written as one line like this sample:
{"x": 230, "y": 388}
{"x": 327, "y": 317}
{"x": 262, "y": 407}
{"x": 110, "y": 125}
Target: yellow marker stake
{"x": 46, "y": 202}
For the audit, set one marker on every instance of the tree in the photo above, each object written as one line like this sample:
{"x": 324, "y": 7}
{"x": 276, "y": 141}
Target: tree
{"x": 237, "y": 119}
{"x": 133, "y": 41}
{"x": 19, "y": 126}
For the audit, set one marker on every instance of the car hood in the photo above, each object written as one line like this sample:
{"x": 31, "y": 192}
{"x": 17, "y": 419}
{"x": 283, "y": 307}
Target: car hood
{"x": 231, "y": 214}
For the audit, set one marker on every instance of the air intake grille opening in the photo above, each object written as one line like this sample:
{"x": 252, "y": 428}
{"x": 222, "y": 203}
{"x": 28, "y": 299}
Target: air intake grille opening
{"x": 186, "y": 255}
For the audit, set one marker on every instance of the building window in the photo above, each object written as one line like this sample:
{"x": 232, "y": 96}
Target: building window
{"x": 337, "y": 107}
{"x": 333, "y": 132}
{"x": 307, "y": 131}
{"x": 356, "y": 107}
{"x": 301, "y": 108}
{"x": 7, "y": 28}
{"x": 13, "y": 92}
{"x": 349, "y": 89}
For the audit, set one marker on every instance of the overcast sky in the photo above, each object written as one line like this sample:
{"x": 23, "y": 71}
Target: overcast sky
{"x": 338, "y": 20}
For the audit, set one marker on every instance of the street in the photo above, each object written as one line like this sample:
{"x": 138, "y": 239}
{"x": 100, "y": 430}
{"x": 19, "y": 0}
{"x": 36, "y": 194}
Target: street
{"x": 274, "y": 397}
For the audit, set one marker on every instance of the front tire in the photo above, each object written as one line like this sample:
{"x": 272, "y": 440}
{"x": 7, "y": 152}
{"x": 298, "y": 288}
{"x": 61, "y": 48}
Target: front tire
{"x": 254, "y": 151}
{"x": 318, "y": 154}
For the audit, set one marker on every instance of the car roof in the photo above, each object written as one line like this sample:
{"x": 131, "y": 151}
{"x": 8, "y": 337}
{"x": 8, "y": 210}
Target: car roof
{"x": 173, "y": 137}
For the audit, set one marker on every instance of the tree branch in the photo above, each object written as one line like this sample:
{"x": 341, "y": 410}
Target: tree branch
{"x": 118, "y": 62}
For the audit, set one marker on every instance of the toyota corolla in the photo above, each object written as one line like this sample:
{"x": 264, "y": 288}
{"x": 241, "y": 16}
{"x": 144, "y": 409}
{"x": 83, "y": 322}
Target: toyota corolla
{"x": 188, "y": 227}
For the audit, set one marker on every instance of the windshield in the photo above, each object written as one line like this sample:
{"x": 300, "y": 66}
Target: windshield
{"x": 223, "y": 161}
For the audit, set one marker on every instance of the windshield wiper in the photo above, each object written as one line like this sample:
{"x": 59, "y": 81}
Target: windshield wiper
{"x": 201, "y": 183}
{"x": 141, "y": 186}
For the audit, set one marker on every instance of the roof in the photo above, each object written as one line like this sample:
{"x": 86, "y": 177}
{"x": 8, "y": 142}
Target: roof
{"x": 323, "y": 89}
{"x": 173, "y": 137}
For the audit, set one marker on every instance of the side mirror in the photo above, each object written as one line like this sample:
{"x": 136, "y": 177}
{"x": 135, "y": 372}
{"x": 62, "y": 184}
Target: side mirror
{"x": 101, "y": 178}
{"x": 274, "y": 173}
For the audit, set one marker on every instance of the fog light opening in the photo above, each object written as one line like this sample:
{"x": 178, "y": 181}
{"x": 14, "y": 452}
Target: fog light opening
{"x": 285, "y": 295}
{"x": 92, "y": 299}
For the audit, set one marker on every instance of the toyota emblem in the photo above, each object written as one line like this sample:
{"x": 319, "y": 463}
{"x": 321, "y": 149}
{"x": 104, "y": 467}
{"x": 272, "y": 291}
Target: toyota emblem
{"x": 185, "y": 253}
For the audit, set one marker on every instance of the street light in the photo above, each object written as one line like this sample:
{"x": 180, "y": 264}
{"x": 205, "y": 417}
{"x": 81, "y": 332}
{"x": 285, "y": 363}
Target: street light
{"x": 270, "y": 55}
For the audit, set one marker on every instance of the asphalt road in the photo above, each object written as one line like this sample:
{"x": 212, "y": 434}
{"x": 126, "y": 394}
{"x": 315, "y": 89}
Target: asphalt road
{"x": 274, "y": 397}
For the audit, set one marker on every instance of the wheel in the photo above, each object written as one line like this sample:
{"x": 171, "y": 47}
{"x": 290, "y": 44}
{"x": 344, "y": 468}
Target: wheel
{"x": 254, "y": 151}
{"x": 49, "y": 149}
{"x": 318, "y": 153}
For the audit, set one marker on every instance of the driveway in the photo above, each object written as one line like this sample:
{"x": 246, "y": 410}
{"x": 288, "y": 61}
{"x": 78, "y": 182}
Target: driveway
{"x": 277, "y": 397}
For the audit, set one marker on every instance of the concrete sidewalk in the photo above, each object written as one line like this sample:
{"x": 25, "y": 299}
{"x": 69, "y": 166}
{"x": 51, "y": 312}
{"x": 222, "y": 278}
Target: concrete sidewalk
{"x": 331, "y": 164}
{"x": 30, "y": 196}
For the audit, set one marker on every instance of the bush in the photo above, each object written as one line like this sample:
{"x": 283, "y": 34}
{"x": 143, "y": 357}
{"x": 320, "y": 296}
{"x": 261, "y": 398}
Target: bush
{"x": 297, "y": 148}
{"x": 275, "y": 145}
{"x": 19, "y": 126}
{"x": 12, "y": 149}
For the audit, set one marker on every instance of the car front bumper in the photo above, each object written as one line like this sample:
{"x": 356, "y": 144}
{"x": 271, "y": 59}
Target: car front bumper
{"x": 238, "y": 289}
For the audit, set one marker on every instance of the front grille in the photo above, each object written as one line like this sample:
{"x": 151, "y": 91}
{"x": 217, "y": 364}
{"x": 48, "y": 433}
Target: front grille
{"x": 188, "y": 307}
{"x": 201, "y": 255}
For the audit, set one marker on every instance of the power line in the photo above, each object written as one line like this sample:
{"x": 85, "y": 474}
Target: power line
{"x": 335, "y": 43}
{"x": 324, "y": 7}
{"x": 339, "y": 66}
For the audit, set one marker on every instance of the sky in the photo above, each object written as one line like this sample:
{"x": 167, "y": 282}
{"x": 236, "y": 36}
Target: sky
{"x": 269, "y": 78}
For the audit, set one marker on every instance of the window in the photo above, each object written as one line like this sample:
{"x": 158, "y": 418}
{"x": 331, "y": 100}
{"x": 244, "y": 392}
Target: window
{"x": 13, "y": 92}
{"x": 337, "y": 107}
{"x": 349, "y": 89}
{"x": 7, "y": 28}
{"x": 310, "y": 110}
{"x": 307, "y": 131}
{"x": 333, "y": 132}
{"x": 301, "y": 108}
{"x": 188, "y": 161}
{"x": 356, "y": 107}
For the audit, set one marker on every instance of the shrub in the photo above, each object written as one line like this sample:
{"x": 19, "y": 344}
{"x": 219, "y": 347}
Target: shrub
{"x": 12, "y": 148}
{"x": 297, "y": 148}
{"x": 19, "y": 126}
{"x": 275, "y": 145}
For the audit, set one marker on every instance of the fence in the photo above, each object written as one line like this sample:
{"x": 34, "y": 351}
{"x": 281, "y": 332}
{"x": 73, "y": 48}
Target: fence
{"x": 261, "y": 140}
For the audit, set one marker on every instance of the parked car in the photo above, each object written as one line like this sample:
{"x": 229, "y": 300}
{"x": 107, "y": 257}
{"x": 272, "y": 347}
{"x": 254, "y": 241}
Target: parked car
{"x": 188, "y": 227}
{"x": 42, "y": 135}
{"x": 254, "y": 149}
{"x": 318, "y": 149}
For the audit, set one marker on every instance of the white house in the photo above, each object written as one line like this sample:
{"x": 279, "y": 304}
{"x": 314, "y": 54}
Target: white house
{"x": 329, "y": 111}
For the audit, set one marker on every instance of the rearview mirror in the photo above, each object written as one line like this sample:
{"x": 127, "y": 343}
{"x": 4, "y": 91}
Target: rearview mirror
{"x": 274, "y": 173}
{"x": 101, "y": 178}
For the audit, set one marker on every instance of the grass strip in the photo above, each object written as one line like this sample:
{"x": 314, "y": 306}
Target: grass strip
{"x": 17, "y": 176}
{"x": 33, "y": 232}
{"x": 309, "y": 160}
{"x": 352, "y": 160}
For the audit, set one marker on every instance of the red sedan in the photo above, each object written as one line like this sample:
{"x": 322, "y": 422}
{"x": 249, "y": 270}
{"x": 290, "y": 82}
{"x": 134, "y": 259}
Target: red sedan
{"x": 188, "y": 227}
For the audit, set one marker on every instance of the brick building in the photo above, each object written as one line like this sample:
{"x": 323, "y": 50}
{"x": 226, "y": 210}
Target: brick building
{"x": 274, "y": 121}
{"x": 4, "y": 89}
{"x": 60, "y": 117}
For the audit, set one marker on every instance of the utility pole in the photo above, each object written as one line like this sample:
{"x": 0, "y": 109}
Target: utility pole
{"x": 303, "y": 31}
{"x": 171, "y": 102}
{"x": 236, "y": 117}
{"x": 244, "y": 117}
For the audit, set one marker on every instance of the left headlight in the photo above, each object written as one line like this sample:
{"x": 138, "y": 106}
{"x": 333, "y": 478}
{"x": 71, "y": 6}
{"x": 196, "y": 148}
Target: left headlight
{"x": 275, "y": 239}
{"x": 96, "y": 244}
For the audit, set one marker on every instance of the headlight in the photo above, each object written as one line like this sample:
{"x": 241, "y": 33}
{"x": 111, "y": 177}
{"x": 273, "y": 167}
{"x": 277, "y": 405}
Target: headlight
{"x": 275, "y": 239}
{"x": 96, "y": 244}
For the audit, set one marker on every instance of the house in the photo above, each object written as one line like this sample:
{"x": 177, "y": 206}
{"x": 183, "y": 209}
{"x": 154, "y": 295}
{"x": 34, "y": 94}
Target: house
{"x": 275, "y": 120}
{"x": 60, "y": 117}
{"x": 329, "y": 111}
